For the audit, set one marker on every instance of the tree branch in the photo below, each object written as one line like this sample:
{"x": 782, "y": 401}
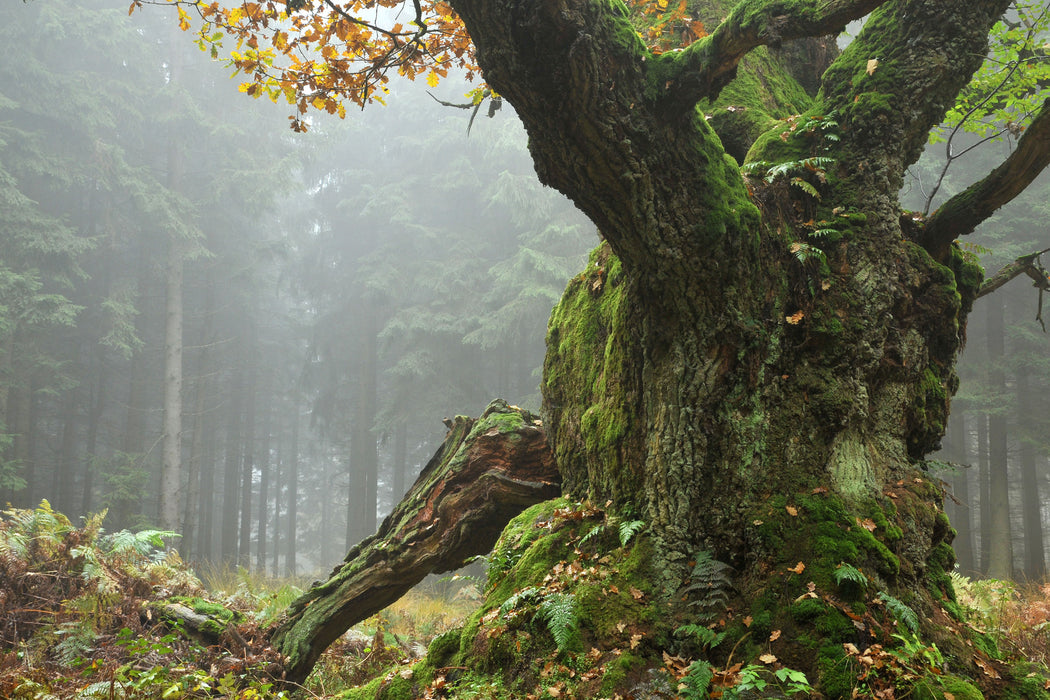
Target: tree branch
{"x": 961, "y": 214}
{"x": 1025, "y": 265}
{"x": 485, "y": 473}
{"x": 706, "y": 66}
{"x": 1029, "y": 265}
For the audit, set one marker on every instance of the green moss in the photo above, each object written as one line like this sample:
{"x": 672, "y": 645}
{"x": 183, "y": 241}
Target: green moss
{"x": 443, "y": 647}
{"x": 369, "y": 691}
{"x": 838, "y": 674}
{"x": 618, "y": 671}
{"x": 1028, "y": 682}
{"x": 518, "y": 536}
{"x": 945, "y": 687}
{"x": 985, "y": 643}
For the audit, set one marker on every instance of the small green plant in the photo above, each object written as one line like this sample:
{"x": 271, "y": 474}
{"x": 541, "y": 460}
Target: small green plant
{"x": 709, "y": 585}
{"x": 697, "y": 678}
{"x": 560, "y": 613}
{"x": 847, "y": 576}
{"x": 558, "y": 610}
{"x": 628, "y": 529}
{"x": 755, "y": 679}
{"x": 903, "y": 614}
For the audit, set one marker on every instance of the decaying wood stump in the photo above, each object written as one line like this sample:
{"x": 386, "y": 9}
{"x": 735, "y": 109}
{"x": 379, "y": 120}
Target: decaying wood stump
{"x": 487, "y": 471}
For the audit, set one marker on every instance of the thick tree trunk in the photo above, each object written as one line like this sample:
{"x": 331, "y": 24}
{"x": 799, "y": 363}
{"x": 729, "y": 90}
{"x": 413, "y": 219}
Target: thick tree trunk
{"x": 487, "y": 471}
{"x": 746, "y": 366}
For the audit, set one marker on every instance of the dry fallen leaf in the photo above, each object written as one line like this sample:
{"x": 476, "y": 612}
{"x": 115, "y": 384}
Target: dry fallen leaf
{"x": 635, "y": 640}
{"x": 637, "y": 594}
{"x": 872, "y": 65}
{"x": 798, "y": 568}
{"x": 774, "y": 635}
{"x": 795, "y": 318}
{"x": 792, "y": 510}
{"x": 747, "y": 621}
{"x": 868, "y": 524}
{"x": 767, "y": 659}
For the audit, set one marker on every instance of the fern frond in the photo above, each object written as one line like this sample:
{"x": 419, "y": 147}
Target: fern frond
{"x": 805, "y": 187}
{"x": 901, "y": 612}
{"x": 710, "y": 582}
{"x": 823, "y": 232}
{"x": 628, "y": 529}
{"x": 592, "y": 534}
{"x": 697, "y": 680}
{"x": 559, "y": 611}
{"x": 706, "y": 636}
{"x": 526, "y": 595}
{"x": 849, "y": 574}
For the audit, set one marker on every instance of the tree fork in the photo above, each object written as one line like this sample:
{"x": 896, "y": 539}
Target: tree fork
{"x": 485, "y": 472}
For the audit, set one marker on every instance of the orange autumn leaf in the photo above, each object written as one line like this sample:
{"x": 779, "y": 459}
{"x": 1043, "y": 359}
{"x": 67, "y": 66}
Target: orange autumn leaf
{"x": 798, "y": 568}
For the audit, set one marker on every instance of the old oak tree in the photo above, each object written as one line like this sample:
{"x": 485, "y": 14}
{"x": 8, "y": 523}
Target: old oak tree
{"x": 758, "y": 357}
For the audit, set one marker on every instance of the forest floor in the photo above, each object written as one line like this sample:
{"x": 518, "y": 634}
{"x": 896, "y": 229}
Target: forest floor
{"x": 85, "y": 614}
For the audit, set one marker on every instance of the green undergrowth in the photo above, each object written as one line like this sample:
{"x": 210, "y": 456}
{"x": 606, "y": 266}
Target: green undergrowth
{"x": 567, "y": 607}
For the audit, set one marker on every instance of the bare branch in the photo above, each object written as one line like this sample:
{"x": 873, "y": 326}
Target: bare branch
{"x": 706, "y": 66}
{"x": 1025, "y": 265}
{"x": 1029, "y": 265}
{"x": 961, "y": 214}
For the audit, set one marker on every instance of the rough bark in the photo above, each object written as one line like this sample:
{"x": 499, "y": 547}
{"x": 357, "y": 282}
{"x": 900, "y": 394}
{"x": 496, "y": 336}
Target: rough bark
{"x": 487, "y": 471}
{"x": 716, "y": 356}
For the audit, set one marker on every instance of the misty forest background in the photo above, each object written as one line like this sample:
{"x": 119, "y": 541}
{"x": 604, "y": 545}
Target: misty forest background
{"x": 341, "y": 292}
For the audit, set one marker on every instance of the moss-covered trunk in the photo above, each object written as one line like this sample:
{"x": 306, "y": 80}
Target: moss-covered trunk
{"x": 753, "y": 367}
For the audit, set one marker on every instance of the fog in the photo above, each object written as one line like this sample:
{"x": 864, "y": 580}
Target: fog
{"x": 285, "y": 319}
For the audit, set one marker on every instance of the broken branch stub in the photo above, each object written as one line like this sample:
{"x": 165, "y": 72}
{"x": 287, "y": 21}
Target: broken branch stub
{"x": 485, "y": 472}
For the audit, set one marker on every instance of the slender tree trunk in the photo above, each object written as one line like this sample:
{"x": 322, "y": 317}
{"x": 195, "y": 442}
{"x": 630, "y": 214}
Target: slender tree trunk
{"x": 962, "y": 514}
{"x": 64, "y": 473}
{"x": 248, "y": 447}
{"x": 292, "y": 486}
{"x": 364, "y": 453}
{"x": 207, "y": 540}
{"x": 100, "y": 384}
{"x": 232, "y": 468}
{"x": 984, "y": 473}
{"x": 267, "y": 401}
{"x": 1031, "y": 502}
{"x": 171, "y": 444}
{"x": 400, "y": 460}
{"x": 1000, "y": 549}
{"x": 194, "y": 509}
{"x": 280, "y": 464}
